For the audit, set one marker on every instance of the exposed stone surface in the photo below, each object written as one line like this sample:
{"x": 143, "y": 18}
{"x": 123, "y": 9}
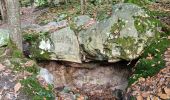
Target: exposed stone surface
{"x": 44, "y": 73}
{"x": 4, "y": 37}
{"x": 81, "y": 20}
{"x": 66, "y": 46}
{"x": 51, "y": 26}
{"x": 99, "y": 80}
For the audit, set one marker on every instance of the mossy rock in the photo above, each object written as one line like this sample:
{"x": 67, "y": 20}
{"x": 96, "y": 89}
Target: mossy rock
{"x": 122, "y": 36}
{"x": 61, "y": 44}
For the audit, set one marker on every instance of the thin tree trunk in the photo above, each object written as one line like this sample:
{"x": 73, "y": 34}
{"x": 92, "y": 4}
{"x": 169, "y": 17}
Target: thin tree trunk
{"x": 3, "y": 10}
{"x": 82, "y": 6}
{"x": 13, "y": 11}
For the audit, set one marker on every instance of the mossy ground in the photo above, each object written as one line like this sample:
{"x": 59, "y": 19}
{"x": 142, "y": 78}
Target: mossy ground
{"x": 30, "y": 85}
{"x": 152, "y": 59}
{"x": 34, "y": 90}
{"x": 148, "y": 67}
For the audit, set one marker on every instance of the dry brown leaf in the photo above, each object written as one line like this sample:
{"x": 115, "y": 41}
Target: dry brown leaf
{"x": 169, "y": 49}
{"x": 145, "y": 94}
{"x": 167, "y": 91}
{"x": 17, "y": 87}
{"x": 81, "y": 98}
{"x": 163, "y": 96}
{"x": 42, "y": 81}
{"x": 29, "y": 63}
{"x": 139, "y": 97}
{"x": 2, "y": 67}
{"x": 150, "y": 57}
{"x": 168, "y": 37}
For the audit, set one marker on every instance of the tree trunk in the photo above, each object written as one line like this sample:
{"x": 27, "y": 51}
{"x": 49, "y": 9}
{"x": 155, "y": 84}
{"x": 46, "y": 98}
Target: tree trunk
{"x": 3, "y": 10}
{"x": 13, "y": 11}
{"x": 82, "y": 6}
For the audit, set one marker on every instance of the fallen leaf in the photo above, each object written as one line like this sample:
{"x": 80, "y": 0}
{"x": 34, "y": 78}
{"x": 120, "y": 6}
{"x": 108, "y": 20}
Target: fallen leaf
{"x": 1, "y": 91}
{"x": 168, "y": 37}
{"x": 139, "y": 97}
{"x": 169, "y": 49}
{"x": 150, "y": 57}
{"x": 163, "y": 96}
{"x": 29, "y": 63}
{"x": 157, "y": 50}
{"x": 81, "y": 98}
{"x": 2, "y": 67}
{"x": 42, "y": 81}
{"x": 167, "y": 91}
{"x": 145, "y": 94}
{"x": 17, "y": 87}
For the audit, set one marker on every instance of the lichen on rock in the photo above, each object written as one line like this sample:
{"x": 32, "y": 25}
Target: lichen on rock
{"x": 122, "y": 36}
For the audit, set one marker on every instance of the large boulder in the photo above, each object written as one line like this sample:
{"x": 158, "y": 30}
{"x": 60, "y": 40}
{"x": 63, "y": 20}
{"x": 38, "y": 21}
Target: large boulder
{"x": 66, "y": 46}
{"x": 61, "y": 44}
{"x": 4, "y": 37}
{"x": 123, "y": 36}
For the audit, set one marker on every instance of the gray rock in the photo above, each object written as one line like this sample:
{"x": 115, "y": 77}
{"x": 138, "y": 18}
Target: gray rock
{"x": 54, "y": 25}
{"x": 46, "y": 75}
{"x": 81, "y": 20}
{"x": 56, "y": 2}
{"x": 58, "y": 45}
{"x": 66, "y": 46}
{"x": 118, "y": 37}
{"x": 4, "y": 37}
{"x": 34, "y": 27}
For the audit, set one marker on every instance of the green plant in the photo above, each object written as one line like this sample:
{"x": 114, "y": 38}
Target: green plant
{"x": 41, "y": 2}
{"x": 34, "y": 90}
{"x": 138, "y": 2}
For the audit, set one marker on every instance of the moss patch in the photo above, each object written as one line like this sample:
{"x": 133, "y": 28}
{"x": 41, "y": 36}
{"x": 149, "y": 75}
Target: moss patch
{"x": 138, "y": 2}
{"x": 34, "y": 40}
{"x": 149, "y": 67}
{"x": 36, "y": 91}
{"x": 117, "y": 27}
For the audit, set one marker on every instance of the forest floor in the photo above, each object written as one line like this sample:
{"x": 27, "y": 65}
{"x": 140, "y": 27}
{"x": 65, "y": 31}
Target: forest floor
{"x": 154, "y": 87}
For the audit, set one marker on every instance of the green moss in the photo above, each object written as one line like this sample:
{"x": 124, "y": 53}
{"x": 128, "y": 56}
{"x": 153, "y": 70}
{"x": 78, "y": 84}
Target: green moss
{"x": 2, "y": 50}
{"x": 15, "y": 52}
{"x": 117, "y": 27}
{"x": 126, "y": 43}
{"x": 146, "y": 67}
{"x": 34, "y": 39}
{"x": 36, "y": 53}
{"x": 34, "y": 90}
{"x": 138, "y": 2}
{"x": 18, "y": 66}
{"x": 140, "y": 25}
